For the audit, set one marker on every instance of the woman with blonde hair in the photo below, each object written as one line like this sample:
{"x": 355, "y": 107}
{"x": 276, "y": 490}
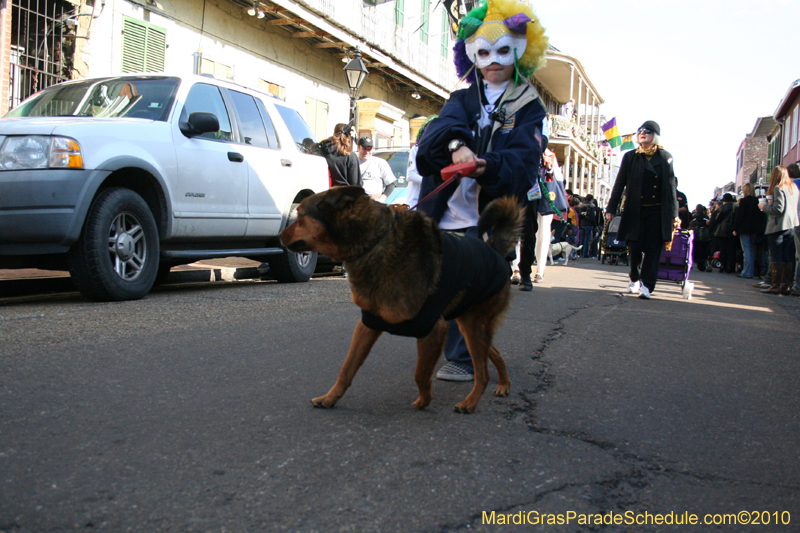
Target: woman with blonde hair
{"x": 748, "y": 223}
{"x": 781, "y": 206}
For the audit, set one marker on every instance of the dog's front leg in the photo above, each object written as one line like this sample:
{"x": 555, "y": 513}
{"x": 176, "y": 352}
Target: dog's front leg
{"x": 428, "y": 351}
{"x": 363, "y": 340}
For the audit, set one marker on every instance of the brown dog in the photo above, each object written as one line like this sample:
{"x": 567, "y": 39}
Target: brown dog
{"x": 408, "y": 278}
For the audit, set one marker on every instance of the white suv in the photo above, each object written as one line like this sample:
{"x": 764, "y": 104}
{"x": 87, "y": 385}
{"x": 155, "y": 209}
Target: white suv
{"x": 119, "y": 179}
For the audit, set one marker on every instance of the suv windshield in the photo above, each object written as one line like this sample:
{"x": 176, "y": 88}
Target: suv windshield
{"x": 135, "y": 97}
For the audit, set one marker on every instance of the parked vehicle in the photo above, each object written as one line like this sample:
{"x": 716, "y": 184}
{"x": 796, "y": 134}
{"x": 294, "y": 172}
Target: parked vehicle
{"x": 398, "y": 162}
{"x": 118, "y": 179}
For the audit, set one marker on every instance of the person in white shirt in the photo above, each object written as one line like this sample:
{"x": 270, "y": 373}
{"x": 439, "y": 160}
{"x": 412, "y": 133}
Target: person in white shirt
{"x": 375, "y": 171}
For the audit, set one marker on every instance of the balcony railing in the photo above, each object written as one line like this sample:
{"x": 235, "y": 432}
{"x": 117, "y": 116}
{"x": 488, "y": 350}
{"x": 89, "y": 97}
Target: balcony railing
{"x": 568, "y": 128}
{"x": 382, "y": 33}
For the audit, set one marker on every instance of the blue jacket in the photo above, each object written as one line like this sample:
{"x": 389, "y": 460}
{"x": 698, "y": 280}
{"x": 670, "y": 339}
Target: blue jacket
{"x": 512, "y": 164}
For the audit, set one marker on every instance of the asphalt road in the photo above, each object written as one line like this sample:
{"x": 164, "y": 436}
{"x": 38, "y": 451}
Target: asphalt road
{"x": 189, "y": 411}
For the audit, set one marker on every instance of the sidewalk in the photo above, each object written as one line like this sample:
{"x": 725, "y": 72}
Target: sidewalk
{"x": 34, "y": 281}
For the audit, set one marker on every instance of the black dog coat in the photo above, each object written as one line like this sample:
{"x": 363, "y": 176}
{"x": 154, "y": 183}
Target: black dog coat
{"x": 468, "y": 264}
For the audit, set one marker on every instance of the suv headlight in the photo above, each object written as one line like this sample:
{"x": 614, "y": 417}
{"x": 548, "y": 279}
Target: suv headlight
{"x": 40, "y": 151}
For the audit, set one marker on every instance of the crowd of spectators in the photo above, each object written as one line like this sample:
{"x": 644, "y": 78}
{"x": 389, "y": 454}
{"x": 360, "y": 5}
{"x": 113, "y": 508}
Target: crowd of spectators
{"x": 730, "y": 236}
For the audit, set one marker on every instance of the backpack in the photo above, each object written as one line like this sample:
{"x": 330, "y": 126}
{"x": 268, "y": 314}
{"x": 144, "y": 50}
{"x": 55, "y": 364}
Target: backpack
{"x": 701, "y": 233}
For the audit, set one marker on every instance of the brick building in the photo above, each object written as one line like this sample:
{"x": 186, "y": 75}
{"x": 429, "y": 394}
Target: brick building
{"x": 751, "y": 158}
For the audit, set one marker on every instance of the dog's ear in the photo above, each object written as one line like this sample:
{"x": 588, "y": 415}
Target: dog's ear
{"x": 339, "y": 198}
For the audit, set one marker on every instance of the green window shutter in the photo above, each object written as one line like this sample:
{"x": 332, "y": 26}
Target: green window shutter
{"x": 144, "y": 46}
{"x": 445, "y": 32}
{"x": 399, "y": 12}
{"x": 425, "y": 12}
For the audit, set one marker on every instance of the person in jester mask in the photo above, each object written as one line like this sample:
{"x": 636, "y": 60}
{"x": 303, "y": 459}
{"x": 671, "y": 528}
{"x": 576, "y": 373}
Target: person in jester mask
{"x": 495, "y": 122}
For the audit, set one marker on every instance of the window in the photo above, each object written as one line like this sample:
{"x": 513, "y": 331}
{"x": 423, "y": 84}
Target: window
{"x": 317, "y": 117}
{"x": 399, "y": 12}
{"x": 218, "y": 70}
{"x": 787, "y": 134}
{"x": 424, "y": 16}
{"x": 445, "y": 41}
{"x": 271, "y": 88}
{"x": 273, "y": 138}
{"x": 204, "y": 97}
{"x": 301, "y": 133}
{"x": 249, "y": 120}
{"x": 144, "y": 46}
{"x": 794, "y": 130}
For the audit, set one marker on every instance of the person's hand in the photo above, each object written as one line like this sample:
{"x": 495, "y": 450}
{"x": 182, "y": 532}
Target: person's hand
{"x": 464, "y": 155}
{"x": 609, "y": 216}
{"x": 480, "y": 168}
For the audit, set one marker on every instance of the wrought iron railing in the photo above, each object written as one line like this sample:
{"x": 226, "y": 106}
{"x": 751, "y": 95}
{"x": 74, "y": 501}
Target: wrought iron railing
{"x": 42, "y": 46}
{"x": 382, "y": 32}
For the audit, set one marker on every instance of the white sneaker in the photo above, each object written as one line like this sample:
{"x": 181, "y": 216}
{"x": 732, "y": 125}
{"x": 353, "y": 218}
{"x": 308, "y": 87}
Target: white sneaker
{"x": 645, "y": 293}
{"x": 633, "y": 287}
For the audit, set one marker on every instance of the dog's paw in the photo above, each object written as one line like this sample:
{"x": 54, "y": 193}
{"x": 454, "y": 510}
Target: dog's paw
{"x": 464, "y": 408}
{"x": 421, "y": 404}
{"x": 502, "y": 391}
{"x": 323, "y": 402}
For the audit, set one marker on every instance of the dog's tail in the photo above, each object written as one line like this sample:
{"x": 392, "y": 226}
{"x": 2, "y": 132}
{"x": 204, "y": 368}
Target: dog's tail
{"x": 500, "y": 224}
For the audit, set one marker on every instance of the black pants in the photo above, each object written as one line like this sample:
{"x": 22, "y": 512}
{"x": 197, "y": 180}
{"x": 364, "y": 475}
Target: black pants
{"x": 527, "y": 241}
{"x": 727, "y": 254}
{"x": 646, "y": 251}
{"x": 700, "y": 254}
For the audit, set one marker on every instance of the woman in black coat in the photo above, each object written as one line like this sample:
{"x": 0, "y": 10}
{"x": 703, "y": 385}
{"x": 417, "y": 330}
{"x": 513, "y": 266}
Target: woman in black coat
{"x": 749, "y": 222}
{"x": 722, "y": 221}
{"x": 651, "y": 206}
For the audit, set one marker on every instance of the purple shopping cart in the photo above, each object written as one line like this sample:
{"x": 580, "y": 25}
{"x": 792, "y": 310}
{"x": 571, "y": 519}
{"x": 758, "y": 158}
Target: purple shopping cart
{"x": 676, "y": 264}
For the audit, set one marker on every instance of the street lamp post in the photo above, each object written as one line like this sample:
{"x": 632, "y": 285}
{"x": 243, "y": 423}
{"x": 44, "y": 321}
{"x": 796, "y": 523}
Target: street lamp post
{"x": 356, "y": 74}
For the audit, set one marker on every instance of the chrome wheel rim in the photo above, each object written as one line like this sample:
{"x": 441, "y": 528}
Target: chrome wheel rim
{"x": 303, "y": 258}
{"x": 127, "y": 246}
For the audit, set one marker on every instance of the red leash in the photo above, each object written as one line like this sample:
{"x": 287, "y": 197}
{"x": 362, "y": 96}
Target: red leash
{"x": 449, "y": 175}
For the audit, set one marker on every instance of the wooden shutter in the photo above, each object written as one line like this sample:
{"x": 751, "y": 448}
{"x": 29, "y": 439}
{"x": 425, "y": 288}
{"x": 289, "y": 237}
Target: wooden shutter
{"x": 144, "y": 47}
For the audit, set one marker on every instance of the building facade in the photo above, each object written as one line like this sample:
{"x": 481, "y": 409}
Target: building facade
{"x": 784, "y": 141}
{"x": 751, "y": 157}
{"x": 294, "y": 49}
{"x": 573, "y": 107}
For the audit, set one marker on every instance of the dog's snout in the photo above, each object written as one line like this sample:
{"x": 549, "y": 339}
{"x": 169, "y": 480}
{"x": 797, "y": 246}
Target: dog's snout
{"x": 286, "y": 235}
{"x": 297, "y": 246}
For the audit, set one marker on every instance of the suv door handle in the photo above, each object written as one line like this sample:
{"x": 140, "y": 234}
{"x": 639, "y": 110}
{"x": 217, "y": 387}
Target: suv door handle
{"x": 286, "y": 163}
{"x": 236, "y": 157}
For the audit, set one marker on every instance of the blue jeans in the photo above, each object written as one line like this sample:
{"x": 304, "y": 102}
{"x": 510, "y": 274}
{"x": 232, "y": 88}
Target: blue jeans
{"x": 796, "y": 285}
{"x": 455, "y": 348}
{"x": 587, "y": 232}
{"x": 748, "y": 269}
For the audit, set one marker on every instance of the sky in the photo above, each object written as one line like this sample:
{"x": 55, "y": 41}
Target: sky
{"x": 705, "y": 70}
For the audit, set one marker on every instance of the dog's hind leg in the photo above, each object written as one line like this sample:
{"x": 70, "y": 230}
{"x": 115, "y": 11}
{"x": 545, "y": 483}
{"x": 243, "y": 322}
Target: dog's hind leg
{"x": 479, "y": 341}
{"x": 503, "y": 382}
{"x": 428, "y": 351}
{"x": 478, "y": 326}
{"x": 363, "y": 340}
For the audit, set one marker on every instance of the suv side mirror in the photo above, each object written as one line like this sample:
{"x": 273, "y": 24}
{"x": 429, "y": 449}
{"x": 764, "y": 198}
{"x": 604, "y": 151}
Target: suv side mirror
{"x": 199, "y": 122}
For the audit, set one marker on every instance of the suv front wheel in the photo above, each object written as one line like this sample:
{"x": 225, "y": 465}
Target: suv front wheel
{"x": 116, "y": 256}
{"x": 291, "y": 267}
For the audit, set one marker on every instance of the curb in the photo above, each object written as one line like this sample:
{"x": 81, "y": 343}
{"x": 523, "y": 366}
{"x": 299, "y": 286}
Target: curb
{"x": 11, "y": 288}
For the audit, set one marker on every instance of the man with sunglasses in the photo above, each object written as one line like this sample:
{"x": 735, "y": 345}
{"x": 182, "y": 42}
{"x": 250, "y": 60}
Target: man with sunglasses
{"x": 651, "y": 206}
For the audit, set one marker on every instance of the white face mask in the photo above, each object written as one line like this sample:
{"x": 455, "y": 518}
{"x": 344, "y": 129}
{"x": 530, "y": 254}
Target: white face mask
{"x": 501, "y": 37}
